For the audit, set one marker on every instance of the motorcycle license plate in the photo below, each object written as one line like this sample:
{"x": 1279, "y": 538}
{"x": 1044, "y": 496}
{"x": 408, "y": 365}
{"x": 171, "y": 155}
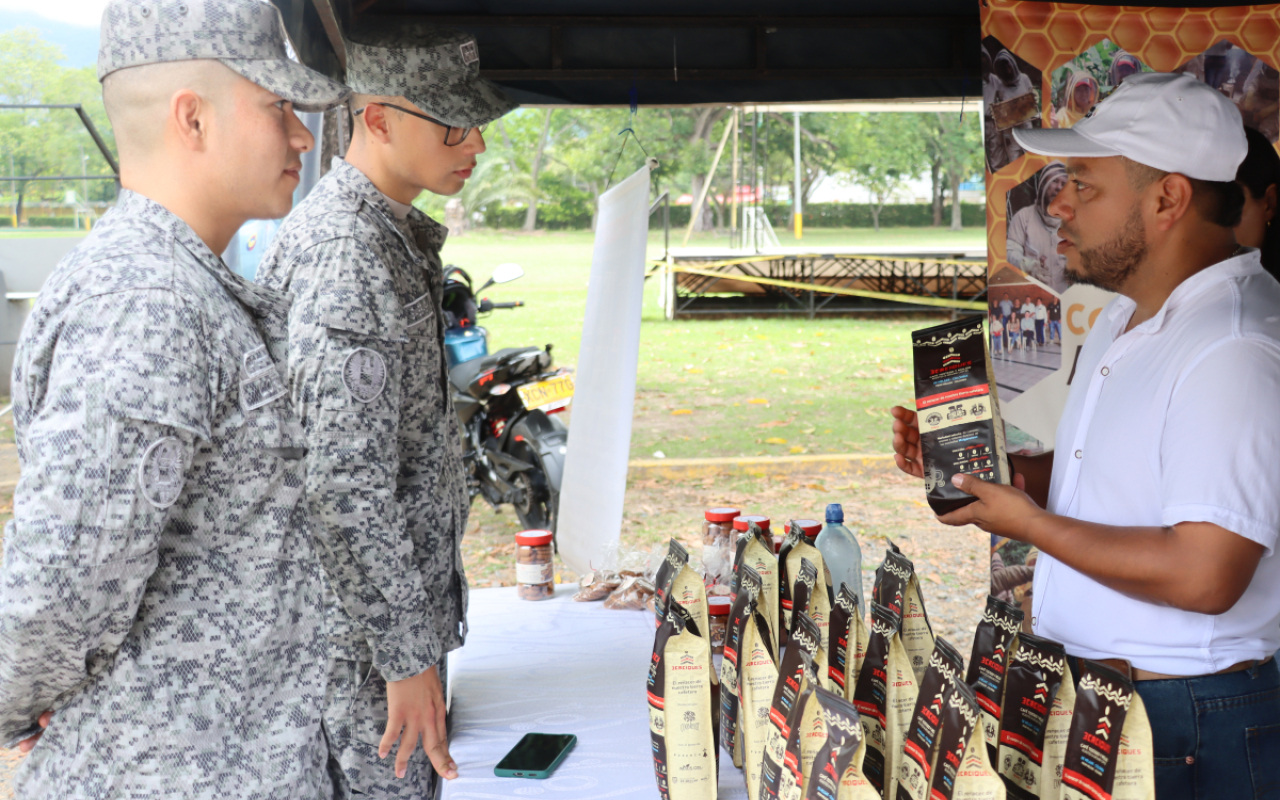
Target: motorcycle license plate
{"x": 545, "y": 393}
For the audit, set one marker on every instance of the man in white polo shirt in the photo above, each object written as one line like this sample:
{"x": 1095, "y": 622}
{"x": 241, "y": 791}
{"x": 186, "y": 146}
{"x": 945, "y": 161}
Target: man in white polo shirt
{"x": 1157, "y": 517}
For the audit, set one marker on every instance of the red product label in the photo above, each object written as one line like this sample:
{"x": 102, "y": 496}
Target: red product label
{"x": 953, "y": 395}
{"x": 1072, "y": 778}
{"x": 912, "y": 749}
{"x": 1014, "y": 740}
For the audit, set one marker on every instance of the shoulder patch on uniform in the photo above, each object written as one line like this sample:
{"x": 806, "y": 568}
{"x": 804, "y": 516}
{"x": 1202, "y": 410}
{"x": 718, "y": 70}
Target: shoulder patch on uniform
{"x": 469, "y": 53}
{"x": 257, "y": 360}
{"x": 364, "y": 373}
{"x": 417, "y": 312}
{"x": 160, "y": 475}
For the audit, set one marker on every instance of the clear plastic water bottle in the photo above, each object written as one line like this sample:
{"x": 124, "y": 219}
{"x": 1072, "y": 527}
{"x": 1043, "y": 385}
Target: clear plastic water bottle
{"x": 843, "y": 556}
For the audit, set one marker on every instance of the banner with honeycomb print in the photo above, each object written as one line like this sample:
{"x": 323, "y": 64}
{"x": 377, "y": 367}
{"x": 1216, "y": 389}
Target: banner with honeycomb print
{"x": 1046, "y": 65}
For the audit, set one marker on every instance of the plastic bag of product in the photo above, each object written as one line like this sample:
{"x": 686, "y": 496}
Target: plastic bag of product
{"x": 1036, "y": 675}
{"x": 943, "y": 673}
{"x": 848, "y": 633}
{"x": 682, "y": 720}
{"x": 786, "y": 692}
{"x": 597, "y": 585}
{"x": 994, "y": 643}
{"x": 885, "y": 697}
{"x": 899, "y": 591}
{"x": 962, "y": 770}
{"x": 1108, "y": 751}
{"x": 633, "y": 593}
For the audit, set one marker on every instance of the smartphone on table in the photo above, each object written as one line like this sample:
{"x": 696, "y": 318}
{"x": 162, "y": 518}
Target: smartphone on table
{"x": 536, "y": 755}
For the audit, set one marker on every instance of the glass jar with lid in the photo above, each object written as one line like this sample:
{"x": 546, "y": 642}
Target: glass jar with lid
{"x": 535, "y": 570}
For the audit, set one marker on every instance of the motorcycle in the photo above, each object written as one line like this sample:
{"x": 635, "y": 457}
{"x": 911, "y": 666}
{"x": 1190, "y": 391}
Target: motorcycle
{"x": 507, "y": 403}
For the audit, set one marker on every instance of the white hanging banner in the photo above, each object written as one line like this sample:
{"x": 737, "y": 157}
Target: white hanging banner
{"x": 595, "y": 470}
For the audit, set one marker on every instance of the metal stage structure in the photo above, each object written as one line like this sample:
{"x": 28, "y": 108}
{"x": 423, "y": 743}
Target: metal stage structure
{"x": 847, "y": 281}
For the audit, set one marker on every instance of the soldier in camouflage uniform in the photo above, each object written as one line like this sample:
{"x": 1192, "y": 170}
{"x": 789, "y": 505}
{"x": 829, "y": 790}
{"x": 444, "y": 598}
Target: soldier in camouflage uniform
{"x": 159, "y": 600}
{"x": 367, "y": 373}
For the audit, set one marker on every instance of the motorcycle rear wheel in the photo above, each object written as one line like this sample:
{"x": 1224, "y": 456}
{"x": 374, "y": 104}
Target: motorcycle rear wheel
{"x": 539, "y": 503}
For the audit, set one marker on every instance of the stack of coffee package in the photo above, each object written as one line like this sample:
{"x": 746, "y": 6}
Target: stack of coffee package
{"x": 857, "y": 707}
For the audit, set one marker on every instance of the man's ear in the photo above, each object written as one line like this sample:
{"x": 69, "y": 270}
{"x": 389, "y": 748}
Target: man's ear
{"x": 1172, "y": 196}
{"x": 375, "y": 122}
{"x": 1269, "y": 202}
{"x": 189, "y": 118}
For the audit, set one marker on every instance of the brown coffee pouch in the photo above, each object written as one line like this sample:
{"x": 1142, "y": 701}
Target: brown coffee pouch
{"x": 957, "y": 411}
{"x": 1035, "y": 675}
{"x": 1109, "y": 747}
{"x": 681, "y": 720}
{"x": 757, "y": 677}
{"x": 884, "y": 696}
{"x": 993, "y": 646}
{"x": 901, "y": 594}
{"x": 849, "y": 635}
{"x": 834, "y": 766}
{"x": 962, "y": 770}
{"x": 791, "y": 678}
{"x": 942, "y": 674}
{"x": 677, "y": 558}
{"x": 740, "y": 612}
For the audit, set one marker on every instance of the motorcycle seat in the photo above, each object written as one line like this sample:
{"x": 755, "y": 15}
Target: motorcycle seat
{"x": 461, "y": 375}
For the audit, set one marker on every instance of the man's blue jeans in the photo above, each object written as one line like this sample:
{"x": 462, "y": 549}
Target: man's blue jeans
{"x": 1216, "y": 737}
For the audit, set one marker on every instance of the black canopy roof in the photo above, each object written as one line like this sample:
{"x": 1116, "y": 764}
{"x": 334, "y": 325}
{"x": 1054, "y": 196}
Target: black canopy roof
{"x": 682, "y": 52}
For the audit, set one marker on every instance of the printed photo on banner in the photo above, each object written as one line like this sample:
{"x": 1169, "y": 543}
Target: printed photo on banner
{"x": 1013, "y": 566}
{"x": 1032, "y": 239}
{"x": 1251, "y": 83}
{"x": 1011, "y": 99}
{"x": 1026, "y": 331}
{"x": 1088, "y": 79}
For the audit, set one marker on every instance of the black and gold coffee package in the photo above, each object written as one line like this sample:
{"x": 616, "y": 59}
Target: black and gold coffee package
{"x": 898, "y": 589}
{"x": 681, "y": 717}
{"x": 1036, "y": 674}
{"x": 962, "y": 770}
{"x": 848, "y": 634}
{"x": 993, "y": 646}
{"x": 791, "y": 677}
{"x": 676, "y": 559}
{"x": 957, "y": 411}
{"x": 832, "y": 755}
{"x": 757, "y": 676}
{"x": 941, "y": 676}
{"x": 742, "y": 610}
{"x": 812, "y": 600}
{"x": 884, "y": 696}
{"x": 1108, "y": 754}
{"x": 755, "y": 549}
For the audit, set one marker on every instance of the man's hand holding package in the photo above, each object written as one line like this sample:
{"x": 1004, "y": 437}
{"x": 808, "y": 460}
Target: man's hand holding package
{"x": 1003, "y": 510}
{"x": 415, "y": 707}
{"x": 906, "y": 441}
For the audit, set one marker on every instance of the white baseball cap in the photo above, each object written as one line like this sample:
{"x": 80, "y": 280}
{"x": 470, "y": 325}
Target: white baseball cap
{"x": 1169, "y": 121}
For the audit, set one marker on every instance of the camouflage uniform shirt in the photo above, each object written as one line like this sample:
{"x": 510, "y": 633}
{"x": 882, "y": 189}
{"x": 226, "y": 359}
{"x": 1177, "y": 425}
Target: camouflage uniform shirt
{"x": 367, "y": 374}
{"x": 160, "y": 590}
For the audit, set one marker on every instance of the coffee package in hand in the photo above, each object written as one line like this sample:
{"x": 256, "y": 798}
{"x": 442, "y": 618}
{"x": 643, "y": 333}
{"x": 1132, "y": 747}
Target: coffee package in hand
{"x": 1109, "y": 748}
{"x": 758, "y": 674}
{"x": 755, "y": 549}
{"x": 962, "y": 770}
{"x": 849, "y": 637}
{"x": 884, "y": 696}
{"x": 899, "y": 591}
{"x": 957, "y": 411}
{"x": 681, "y": 714}
{"x": 794, "y": 548}
{"x": 791, "y": 677}
{"x": 742, "y": 609}
{"x": 832, "y": 757}
{"x": 1036, "y": 674}
{"x": 993, "y": 646}
{"x": 812, "y": 600}
{"x": 944, "y": 671}
{"x": 676, "y": 559}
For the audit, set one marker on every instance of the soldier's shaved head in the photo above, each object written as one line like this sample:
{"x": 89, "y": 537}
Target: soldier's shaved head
{"x": 137, "y": 99}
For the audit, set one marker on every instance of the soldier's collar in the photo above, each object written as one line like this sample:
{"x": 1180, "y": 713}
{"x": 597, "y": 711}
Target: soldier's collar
{"x": 258, "y": 299}
{"x": 360, "y": 185}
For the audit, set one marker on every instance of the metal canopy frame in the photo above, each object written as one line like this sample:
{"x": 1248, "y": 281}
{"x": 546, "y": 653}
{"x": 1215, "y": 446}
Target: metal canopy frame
{"x": 89, "y": 126}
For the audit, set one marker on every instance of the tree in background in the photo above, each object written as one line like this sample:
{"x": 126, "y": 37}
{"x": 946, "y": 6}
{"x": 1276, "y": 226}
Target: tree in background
{"x": 955, "y": 145}
{"x": 48, "y": 142}
{"x": 880, "y": 153}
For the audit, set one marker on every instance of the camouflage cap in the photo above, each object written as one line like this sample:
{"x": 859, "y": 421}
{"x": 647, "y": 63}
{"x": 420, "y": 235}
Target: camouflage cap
{"x": 246, "y": 35}
{"x": 437, "y": 69}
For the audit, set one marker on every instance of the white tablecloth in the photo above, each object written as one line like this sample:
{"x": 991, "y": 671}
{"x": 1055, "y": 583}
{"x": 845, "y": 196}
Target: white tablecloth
{"x": 556, "y": 666}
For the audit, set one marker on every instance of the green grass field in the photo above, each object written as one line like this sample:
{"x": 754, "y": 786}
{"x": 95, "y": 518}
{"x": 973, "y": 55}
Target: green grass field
{"x": 729, "y": 387}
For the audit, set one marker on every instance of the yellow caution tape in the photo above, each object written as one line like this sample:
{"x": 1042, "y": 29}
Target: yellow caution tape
{"x": 832, "y": 256}
{"x": 811, "y": 287}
